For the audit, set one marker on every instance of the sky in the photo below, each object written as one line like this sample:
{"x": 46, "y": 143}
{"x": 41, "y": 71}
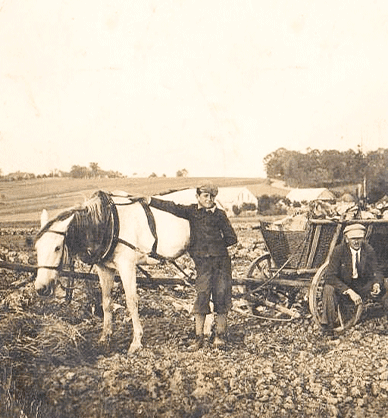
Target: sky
{"x": 210, "y": 86}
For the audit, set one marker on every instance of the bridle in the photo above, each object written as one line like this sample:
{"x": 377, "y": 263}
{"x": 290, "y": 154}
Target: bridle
{"x": 60, "y": 265}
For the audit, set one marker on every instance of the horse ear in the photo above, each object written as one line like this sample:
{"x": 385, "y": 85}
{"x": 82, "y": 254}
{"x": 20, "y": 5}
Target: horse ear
{"x": 63, "y": 225}
{"x": 44, "y": 218}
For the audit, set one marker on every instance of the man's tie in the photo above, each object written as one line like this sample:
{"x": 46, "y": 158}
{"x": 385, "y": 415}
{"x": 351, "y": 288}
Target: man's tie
{"x": 358, "y": 263}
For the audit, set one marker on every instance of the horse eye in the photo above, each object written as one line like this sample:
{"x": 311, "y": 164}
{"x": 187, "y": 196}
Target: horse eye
{"x": 57, "y": 248}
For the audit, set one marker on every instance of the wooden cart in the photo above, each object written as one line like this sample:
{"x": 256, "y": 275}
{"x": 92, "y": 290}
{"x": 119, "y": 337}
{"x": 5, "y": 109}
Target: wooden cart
{"x": 298, "y": 259}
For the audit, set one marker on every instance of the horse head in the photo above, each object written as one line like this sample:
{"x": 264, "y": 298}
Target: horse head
{"x": 51, "y": 252}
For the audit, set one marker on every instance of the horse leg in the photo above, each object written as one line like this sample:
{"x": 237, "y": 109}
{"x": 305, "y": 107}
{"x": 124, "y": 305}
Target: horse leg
{"x": 127, "y": 272}
{"x": 106, "y": 282}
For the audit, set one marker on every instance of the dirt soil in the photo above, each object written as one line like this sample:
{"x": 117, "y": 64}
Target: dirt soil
{"x": 52, "y": 365}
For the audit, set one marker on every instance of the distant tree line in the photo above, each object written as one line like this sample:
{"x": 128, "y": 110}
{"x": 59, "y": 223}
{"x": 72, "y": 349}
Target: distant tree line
{"x": 78, "y": 172}
{"x": 182, "y": 173}
{"x": 93, "y": 171}
{"x": 330, "y": 168}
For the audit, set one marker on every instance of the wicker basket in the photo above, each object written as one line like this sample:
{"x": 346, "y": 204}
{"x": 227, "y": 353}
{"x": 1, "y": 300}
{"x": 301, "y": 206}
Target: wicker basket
{"x": 310, "y": 248}
{"x": 295, "y": 249}
{"x": 326, "y": 236}
{"x": 285, "y": 246}
{"x": 378, "y": 239}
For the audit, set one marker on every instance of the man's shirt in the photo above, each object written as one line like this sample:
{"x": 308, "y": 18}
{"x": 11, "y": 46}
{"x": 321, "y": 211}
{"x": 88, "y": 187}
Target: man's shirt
{"x": 355, "y": 262}
{"x": 339, "y": 271}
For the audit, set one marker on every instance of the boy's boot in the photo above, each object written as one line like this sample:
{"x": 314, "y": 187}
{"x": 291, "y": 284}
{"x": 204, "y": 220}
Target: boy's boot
{"x": 199, "y": 337}
{"x": 221, "y": 326}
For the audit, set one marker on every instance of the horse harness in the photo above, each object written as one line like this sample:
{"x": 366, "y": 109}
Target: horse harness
{"x": 116, "y": 240}
{"x": 110, "y": 237}
{"x": 114, "y": 228}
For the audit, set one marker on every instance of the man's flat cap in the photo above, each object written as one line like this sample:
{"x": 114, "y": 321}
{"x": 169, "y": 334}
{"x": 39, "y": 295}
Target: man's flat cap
{"x": 355, "y": 231}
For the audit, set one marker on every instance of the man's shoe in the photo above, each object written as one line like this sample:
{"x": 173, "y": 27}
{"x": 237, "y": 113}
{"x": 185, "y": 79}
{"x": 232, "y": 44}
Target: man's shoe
{"x": 328, "y": 333}
{"x": 198, "y": 343}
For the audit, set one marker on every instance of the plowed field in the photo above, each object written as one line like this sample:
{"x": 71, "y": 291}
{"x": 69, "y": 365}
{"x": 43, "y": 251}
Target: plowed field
{"x": 52, "y": 366}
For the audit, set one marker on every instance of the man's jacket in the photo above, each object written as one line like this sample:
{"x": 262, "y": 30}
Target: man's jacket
{"x": 210, "y": 231}
{"x": 339, "y": 271}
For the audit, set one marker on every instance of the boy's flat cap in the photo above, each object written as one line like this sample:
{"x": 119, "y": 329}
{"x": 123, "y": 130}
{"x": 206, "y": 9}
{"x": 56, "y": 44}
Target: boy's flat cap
{"x": 208, "y": 188}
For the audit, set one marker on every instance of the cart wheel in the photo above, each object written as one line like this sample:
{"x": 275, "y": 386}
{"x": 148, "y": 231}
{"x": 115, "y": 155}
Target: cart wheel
{"x": 260, "y": 268}
{"x": 348, "y": 314}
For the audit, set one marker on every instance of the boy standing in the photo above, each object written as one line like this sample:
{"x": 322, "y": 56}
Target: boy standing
{"x": 210, "y": 234}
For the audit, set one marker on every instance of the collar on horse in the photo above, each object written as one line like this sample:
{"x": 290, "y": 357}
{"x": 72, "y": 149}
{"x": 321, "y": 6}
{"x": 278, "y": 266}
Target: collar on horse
{"x": 111, "y": 227}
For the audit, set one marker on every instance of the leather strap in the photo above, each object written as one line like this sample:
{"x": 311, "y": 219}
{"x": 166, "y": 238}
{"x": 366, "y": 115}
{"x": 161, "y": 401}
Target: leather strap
{"x": 152, "y": 225}
{"x": 116, "y": 228}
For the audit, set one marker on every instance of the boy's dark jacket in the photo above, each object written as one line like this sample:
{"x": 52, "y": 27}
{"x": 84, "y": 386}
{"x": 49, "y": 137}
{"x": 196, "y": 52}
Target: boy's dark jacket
{"x": 210, "y": 231}
{"x": 339, "y": 270}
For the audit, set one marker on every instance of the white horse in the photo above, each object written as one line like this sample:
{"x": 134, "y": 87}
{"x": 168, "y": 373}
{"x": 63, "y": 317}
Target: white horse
{"x": 114, "y": 232}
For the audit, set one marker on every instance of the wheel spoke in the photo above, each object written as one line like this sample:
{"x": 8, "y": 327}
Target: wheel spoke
{"x": 348, "y": 313}
{"x": 260, "y": 268}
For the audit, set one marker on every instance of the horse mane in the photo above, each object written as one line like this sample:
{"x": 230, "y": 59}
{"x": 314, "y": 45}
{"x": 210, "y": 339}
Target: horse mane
{"x": 86, "y": 232}
{"x": 90, "y": 214}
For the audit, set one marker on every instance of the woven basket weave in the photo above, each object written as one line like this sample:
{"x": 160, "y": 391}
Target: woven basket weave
{"x": 310, "y": 248}
{"x": 284, "y": 246}
{"x": 378, "y": 239}
{"x": 295, "y": 247}
{"x": 326, "y": 236}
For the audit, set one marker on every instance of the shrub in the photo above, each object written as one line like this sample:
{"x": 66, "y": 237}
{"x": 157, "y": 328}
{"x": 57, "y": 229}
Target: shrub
{"x": 269, "y": 205}
{"x": 236, "y": 210}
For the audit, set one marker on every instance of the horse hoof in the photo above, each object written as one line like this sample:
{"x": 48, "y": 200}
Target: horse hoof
{"x": 134, "y": 348}
{"x": 104, "y": 341}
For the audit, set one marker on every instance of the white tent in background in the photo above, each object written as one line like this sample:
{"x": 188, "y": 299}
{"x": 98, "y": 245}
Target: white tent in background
{"x": 308, "y": 195}
{"x": 236, "y": 196}
{"x": 347, "y": 197}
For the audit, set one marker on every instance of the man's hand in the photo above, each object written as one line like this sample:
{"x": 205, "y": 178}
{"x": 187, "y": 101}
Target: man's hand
{"x": 375, "y": 289}
{"x": 356, "y": 298}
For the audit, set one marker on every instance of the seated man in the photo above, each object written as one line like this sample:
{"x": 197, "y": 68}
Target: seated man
{"x": 352, "y": 273}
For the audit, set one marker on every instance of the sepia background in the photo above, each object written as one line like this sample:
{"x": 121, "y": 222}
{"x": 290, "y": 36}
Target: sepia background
{"x": 209, "y": 86}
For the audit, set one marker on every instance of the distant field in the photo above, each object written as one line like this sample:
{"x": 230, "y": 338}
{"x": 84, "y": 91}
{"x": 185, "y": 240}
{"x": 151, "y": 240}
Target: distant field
{"x": 21, "y": 202}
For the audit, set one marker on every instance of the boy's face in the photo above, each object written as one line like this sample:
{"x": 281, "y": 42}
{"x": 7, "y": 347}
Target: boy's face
{"x": 206, "y": 200}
